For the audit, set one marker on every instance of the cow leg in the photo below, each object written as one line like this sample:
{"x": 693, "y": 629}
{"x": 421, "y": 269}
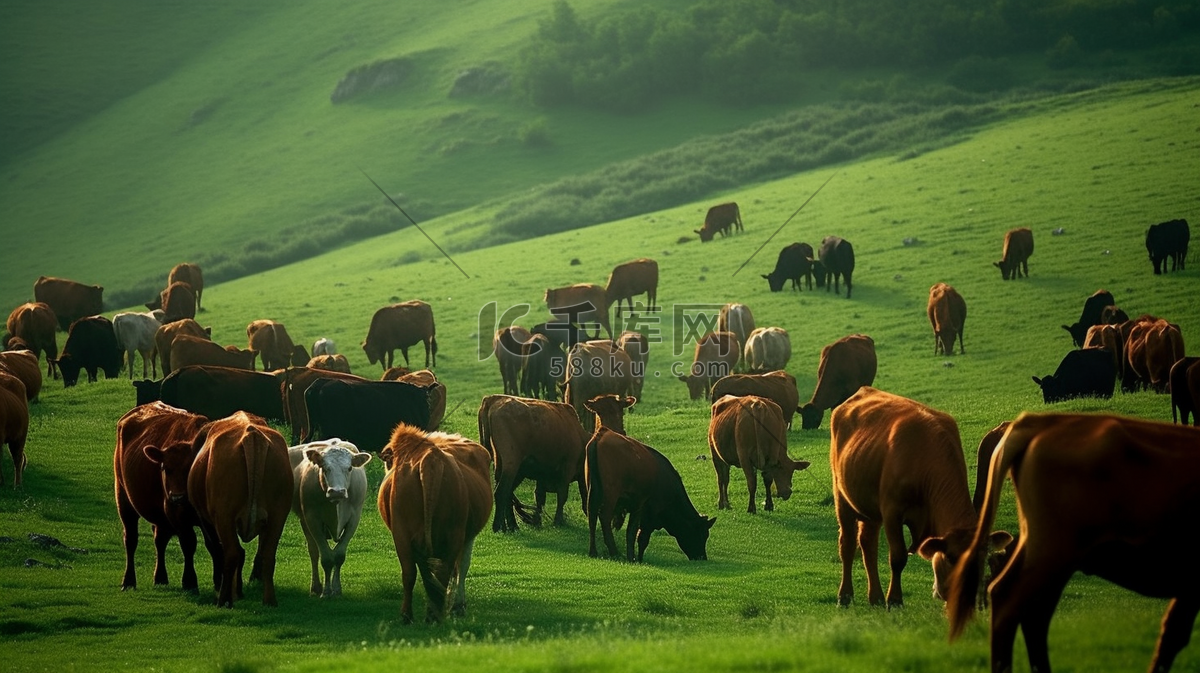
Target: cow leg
{"x": 1025, "y": 594}
{"x": 333, "y": 586}
{"x": 631, "y": 530}
{"x": 752, "y": 486}
{"x": 593, "y": 514}
{"x": 458, "y": 607}
{"x": 187, "y": 544}
{"x": 231, "y": 570}
{"x": 847, "y": 544}
{"x": 539, "y": 502}
{"x": 722, "y": 469}
{"x": 563, "y": 492}
{"x": 503, "y": 520}
{"x": 213, "y": 544}
{"x": 314, "y": 554}
{"x": 162, "y": 535}
{"x": 643, "y": 540}
{"x": 408, "y": 576}
{"x": 1176, "y": 632}
{"x": 268, "y": 547}
{"x": 897, "y": 560}
{"x": 868, "y": 542}
{"x": 129, "y": 526}
{"x": 607, "y": 515}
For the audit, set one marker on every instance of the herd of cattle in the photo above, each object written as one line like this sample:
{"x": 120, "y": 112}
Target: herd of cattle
{"x": 198, "y": 450}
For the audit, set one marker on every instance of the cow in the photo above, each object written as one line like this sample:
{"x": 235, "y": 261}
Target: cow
{"x": 947, "y": 312}
{"x": 178, "y": 302}
{"x": 156, "y": 445}
{"x": 1101, "y": 494}
{"x": 715, "y": 356}
{"x": 293, "y": 384}
{"x": 216, "y": 392}
{"x": 1018, "y": 246}
{"x": 777, "y": 386}
{"x": 423, "y": 378}
{"x": 147, "y": 391}
{"x": 329, "y": 487}
{"x": 562, "y": 334}
{"x": 324, "y": 346}
{"x": 23, "y": 365}
{"x": 545, "y": 364}
{"x": 363, "y": 412}
{"x": 624, "y": 476}
{"x": 35, "y": 324}
{"x": 1113, "y": 315}
{"x": 1107, "y": 338}
{"x": 630, "y": 279}
{"x": 1089, "y": 372}
{"x": 164, "y": 336}
{"x": 767, "y": 349}
{"x": 135, "y": 334}
{"x": 241, "y": 485}
{"x": 720, "y": 218}
{"x": 508, "y": 344}
{"x": 846, "y": 365}
{"x": 333, "y": 363}
{"x": 1093, "y": 307}
{"x": 736, "y": 318}
{"x": 14, "y": 424}
{"x": 435, "y": 499}
{"x": 189, "y": 273}
{"x": 749, "y": 432}
{"x": 1185, "y": 390}
{"x": 400, "y": 326}
{"x": 395, "y": 373}
{"x": 69, "y": 300}
{"x": 189, "y": 350}
{"x": 91, "y": 345}
{"x": 795, "y": 262}
{"x": 837, "y": 260}
{"x": 638, "y": 347}
{"x": 1168, "y": 240}
{"x": 1152, "y": 347}
{"x": 272, "y": 342}
{"x": 531, "y": 439}
{"x": 595, "y": 369}
{"x": 579, "y": 303}
{"x": 897, "y": 463}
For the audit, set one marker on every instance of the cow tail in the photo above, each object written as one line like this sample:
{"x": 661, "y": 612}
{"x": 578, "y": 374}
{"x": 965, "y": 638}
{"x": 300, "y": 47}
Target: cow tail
{"x": 254, "y": 450}
{"x": 595, "y": 489}
{"x": 433, "y": 471}
{"x": 485, "y": 429}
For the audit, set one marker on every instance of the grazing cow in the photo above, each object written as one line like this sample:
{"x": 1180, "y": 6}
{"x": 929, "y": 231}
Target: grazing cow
{"x": 1152, "y": 347}
{"x": 1185, "y": 390}
{"x": 363, "y": 412}
{"x": 135, "y": 334}
{"x": 630, "y": 279}
{"x": 423, "y": 378}
{"x": 178, "y": 302}
{"x": 1107, "y": 338}
{"x": 191, "y": 274}
{"x": 531, "y": 439}
{"x": 1112, "y": 315}
{"x": 897, "y": 463}
{"x": 1093, "y": 307}
{"x": 795, "y": 262}
{"x": 23, "y": 365}
{"x": 91, "y": 345}
{"x": 715, "y": 356}
{"x": 400, "y": 326}
{"x": 593, "y": 369}
{"x": 329, "y": 487}
{"x": 14, "y": 424}
{"x": 578, "y": 304}
{"x": 624, "y": 476}
{"x": 509, "y": 344}
{"x": 749, "y": 432}
{"x": 837, "y": 260}
{"x": 1083, "y": 373}
{"x": 189, "y": 350}
{"x": 69, "y": 300}
{"x": 334, "y": 363}
{"x": 562, "y": 334}
{"x": 638, "y": 347}
{"x": 435, "y": 499}
{"x": 545, "y": 366}
{"x": 736, "y": 318}
{"x": 156, "y": 445}
{"x": 1104, "y": 495}
{"x": 846, "y": 365}
{"x": 1168, "y": 240}
{"x": 164, "y": 336}
{"x": 720, "y": 217}
{"x": 216, "y": 392}
{"x": 34, "y": 323}
{"x": 324, "y": 346}
{"x": 767, "y": 349}
{"x": 295, "y": 381}
{"x": 777, "y": 386}
{"x": 1018, "y": 246}
{"x": 947, "y": 312}
{"x": 272, "y": 341}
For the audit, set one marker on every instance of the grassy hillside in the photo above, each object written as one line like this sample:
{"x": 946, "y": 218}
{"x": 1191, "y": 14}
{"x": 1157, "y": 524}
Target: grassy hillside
{"x": 1101, "y": 165}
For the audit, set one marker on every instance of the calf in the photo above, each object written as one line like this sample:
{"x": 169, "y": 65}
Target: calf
{"x": 1018, "y": 246}
{"x": 330, "y": 485}
{"x": 1083, "y": 373}
{"x": 14, "y": 424}
{"x": 767, "y": 349}
{"x": 720, "y": 218}
{"x": 1093, "y": 309}
{"x": 135, "y": 334}
{"x": 795, "y": 262}
{"x": 716, "y": 354}
{"x": 947, "y": 313}
{"x": 749, "y": 432}
{"x": 846, "y": 365}
{"x": 92, "y": 346}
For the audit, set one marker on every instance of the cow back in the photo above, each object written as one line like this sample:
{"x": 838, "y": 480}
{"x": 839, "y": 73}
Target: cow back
{"x": 23, "y": 365}
{"x": 70, "y": 300}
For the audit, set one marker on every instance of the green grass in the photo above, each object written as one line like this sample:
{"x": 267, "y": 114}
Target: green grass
{"x": 1103, "y": 165}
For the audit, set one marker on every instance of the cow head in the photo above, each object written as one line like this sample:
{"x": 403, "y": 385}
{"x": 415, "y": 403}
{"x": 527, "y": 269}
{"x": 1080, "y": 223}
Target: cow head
{"x": 810, "y": 416}
{"x": 147, "y": 391}
{"x": 610, "y": 410}
{"x": 69, "y": 369}
{"x": 944, "y": 553}
{"x": 1051, "y": 388}
{"x": 335, "y": 463}
{"x": 706, "y": 234}
{"x": 696, "y": 385}
{"x": 781, "y": 475}
{"x": 174, "y": 462}
{"x": 1006, "y": 268}
{"x": 693, "y": 539}
{"x": 775, "y": 280}
{"x": 373, "y": 351}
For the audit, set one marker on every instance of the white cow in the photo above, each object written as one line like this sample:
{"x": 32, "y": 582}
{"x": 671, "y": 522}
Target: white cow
{"x": 135, "y": 334}
{"x": 330, "y": 486}
{"x": 768, "y": 349}
{"x": 323, "y": 346}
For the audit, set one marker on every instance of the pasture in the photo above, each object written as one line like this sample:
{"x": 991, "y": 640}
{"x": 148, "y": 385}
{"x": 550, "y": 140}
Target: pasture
{"x": 1102, "y": 165}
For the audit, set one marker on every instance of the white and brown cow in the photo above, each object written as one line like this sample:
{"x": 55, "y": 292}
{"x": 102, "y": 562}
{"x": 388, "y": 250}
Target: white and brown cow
{"x": 330, "y": 487}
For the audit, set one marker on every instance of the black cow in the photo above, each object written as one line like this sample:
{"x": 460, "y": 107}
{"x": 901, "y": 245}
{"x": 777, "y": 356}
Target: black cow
{"x": 91, "y": 345}
{"x": 561, "y": 333}
{"x": 795, "y": 262}
{"x": 1082, "y": 373}
{"x": 837, "y": 256}
{"x": 147, "y": 391}
{"x": 1168, "y": 240}
{"x": 364, "y": 413}
{"x": 1093, "y": 309}
{"x": 217, "y": 392}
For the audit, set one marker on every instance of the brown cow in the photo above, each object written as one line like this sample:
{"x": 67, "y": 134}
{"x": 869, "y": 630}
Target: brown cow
{"x": 437, "y": 395}
{"x": 720, "y": 218}
{"x": 272, "y": 341}
{"x": 14, "y": 424}
{"x": 400, "y": 326}
{"x": 241, "y": 486}
{"x": 189, "y": 273}
{"x": 23, "y": 365}
{"x": 395, "y": 373}
{"x": 716, "y": 354}
{"x": 1105, "y": 495}
{"x": 178, "y": 302}
{"x": 738, "y": 319}
{"x": 1106, "y": 338}
{"x": 630, "y": 279}
{"x": 69, "y": 300}
{"x": 947, "y": 312}
{"x": 1152, "y": 347}
{"x": 593, "y": 369}
{"x": 846, "y": 365}
{"x": 1018, "y": 246}
{"x": 749, "y": 432}
{"x": 156, "y": 445}
{"x": 578, "y": 304}
{"x": 531, "y": 439}
{"x": 333, "y": 363}
{"x": 34, "y": 323}
{"x": 292, "y": 386}
{"x": 508, "y": 345}
{"x": 1185, "y": 390}
{"x": 638, "y": 347}
{"x": 165, "y": 335}
{"x": 435, "y": 498}
{"x": 189, "y": 350}
{"x": 897, "y": 463}
{"x": 777, "y": 386}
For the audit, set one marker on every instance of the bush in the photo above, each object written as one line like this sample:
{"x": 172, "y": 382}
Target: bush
{"x": 979, "y": 74}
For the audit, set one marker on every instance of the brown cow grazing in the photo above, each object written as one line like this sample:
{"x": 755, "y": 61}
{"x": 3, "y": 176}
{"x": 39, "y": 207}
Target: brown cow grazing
{"x": 14, "y": 424}
{"x": 720, "y": 218}
{"x": 178, "y": 302}
{"x": 947, "y": 312}
{"x": 593, "y": 369}
{"x": 434, "y": 499}
{"x": 1105, "y": 495}
{"x": 400, "y": 326}
{"x": 1152, "y": 347}
{"x": 1018, "y": 246}
{"x": 23, "y": 365}
{"x": 164, "y": 336}
{"x": 638, "y": 347}
{"x": 292, "y": 387}
{"x": 69, "y": 300}
{"x": 333, "y": 363}
{"x": 189, "y": 350}
{"x": 897, "y": 463}
{"x": 545, "y": 366}
{"x": 189, "y": 273}
{"x": 156, "y": 445}
{"x": 531, "y": 439}
{"x": 1093, "y": 310}
{"x": 777, "y": 386}
{"x": 767, "y": 349}
{"x": 241, "y": 486}
{"x": 1185, "y": 390}
{"x": 738, "y": 319}
{"x": 749, "y": 432}
{"x": 437, "y": 395}
{"x": 630, "y": 279}
{"x": 846, "y": 365}
{"x": 34, "y": 323}
{"x": 509, "y": 344}
{"x": 272, "y": 341}
{"x": 578, "y": 304}
{"x": 716, "y": 354}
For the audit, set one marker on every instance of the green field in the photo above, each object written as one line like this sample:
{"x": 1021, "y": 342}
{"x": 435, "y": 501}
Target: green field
{"x": 1102, "y": 165}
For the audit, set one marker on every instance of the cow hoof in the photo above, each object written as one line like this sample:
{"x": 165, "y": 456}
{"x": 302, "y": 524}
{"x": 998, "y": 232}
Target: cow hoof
{"x": 459, "y": 610}
{"x": 128, "y": 587}
{"x": 845, "y": 600}
{"x": 405, "y": 619}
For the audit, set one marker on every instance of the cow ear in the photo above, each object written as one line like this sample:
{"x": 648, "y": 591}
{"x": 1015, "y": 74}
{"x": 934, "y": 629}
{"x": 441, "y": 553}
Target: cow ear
{"x": 630, "y": 401}
{"x": 996, "y": 264}
{"x": 695, "y": 231}
{"x": 153, "y": 454}
{"x": 1000, "y": 539}
{"x": 711, "y": 521}
{"x": 1067, "y": 328}
{"x": 1036, "y": 380}
{"x": 683, "y": 378}
{"x": 360, "y": 459}
{"x": 386, "y": 454}
{"x": 932, "y": 546}
{"x": 801, "y": 464}
{"x": 314, "y": 456}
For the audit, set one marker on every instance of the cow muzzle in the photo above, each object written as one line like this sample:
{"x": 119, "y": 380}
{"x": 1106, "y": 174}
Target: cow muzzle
{"x": 176, "y": 498}
{"x": 336, "y": 494}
